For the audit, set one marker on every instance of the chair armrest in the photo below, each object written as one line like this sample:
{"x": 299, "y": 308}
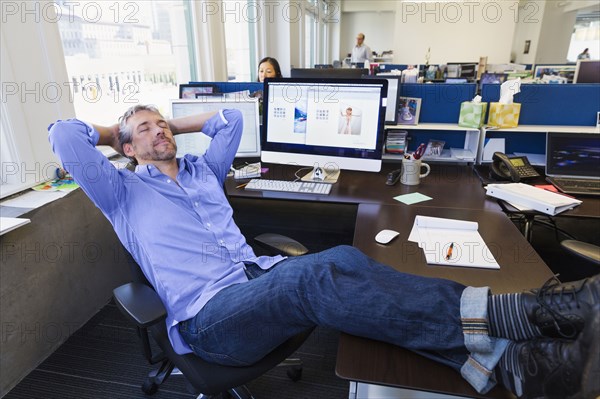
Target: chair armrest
{"x": 587, "y": 251}
{"x": 281, "y": 244}
{"x": 140, "y": 303}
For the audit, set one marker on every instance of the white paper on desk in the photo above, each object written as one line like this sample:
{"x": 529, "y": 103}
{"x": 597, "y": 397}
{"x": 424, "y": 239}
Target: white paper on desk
{"x": 34, "y": 199}
{"x": 8, "y": 224}
{"x": 435, "y": 235}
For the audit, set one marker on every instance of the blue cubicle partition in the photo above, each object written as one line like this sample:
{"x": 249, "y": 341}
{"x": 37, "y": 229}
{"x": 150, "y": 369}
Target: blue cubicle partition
{"x": 551, "y": 104}
{"x": 231, "y": 87}
{"x": 440, "y": 103}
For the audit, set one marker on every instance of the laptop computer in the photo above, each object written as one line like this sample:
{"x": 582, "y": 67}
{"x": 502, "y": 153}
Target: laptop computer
{"x": 573, "y": 162}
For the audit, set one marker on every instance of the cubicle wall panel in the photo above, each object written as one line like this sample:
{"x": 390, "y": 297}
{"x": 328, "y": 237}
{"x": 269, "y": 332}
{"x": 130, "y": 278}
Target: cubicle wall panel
{"x": 440, "y": 103}
{"x": 553, "y": 104}
{"x": 232, "y": 87}
{"x": 520, "y": 142}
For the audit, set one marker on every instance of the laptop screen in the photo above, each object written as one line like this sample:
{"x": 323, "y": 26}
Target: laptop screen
{"x": 573, "y": 155}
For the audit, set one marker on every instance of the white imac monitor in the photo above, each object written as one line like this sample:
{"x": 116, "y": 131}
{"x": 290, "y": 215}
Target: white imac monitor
{"x": 197, "y": 143}
{"x": 333, "y": 124}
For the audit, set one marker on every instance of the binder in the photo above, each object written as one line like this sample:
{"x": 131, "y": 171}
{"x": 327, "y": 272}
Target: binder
{"x": 531, "y": 197}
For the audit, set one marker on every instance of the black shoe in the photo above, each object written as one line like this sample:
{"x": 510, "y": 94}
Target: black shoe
{"x": 560, "y": 310}
{"x": 590, "y": 381}
{"x": 557, "y": 368}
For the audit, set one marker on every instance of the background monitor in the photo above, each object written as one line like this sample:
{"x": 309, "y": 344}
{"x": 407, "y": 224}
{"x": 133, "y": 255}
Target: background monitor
{"x": 566, "y": 71}
{"x": 466, "y": 70}
{"x": 573, "y": 154}
{"x": 190, "y": 90}
{"x": 197, "y": 143}
{"x": 587, "y": 71}
{"x": 391, "y": 109}
{"x": 328, "y": 73}
{"x": 333, "y": 124}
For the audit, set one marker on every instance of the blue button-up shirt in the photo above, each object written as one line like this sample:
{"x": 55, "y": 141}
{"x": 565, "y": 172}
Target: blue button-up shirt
{"x": 181, "y": 233}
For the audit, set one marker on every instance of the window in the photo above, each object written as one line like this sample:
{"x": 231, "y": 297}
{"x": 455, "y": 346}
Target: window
{"x": 315, "y": 33}
{"x": 586, "y": 34}
{"x": 239, "y": 33}
{"x": 120, "y": 53}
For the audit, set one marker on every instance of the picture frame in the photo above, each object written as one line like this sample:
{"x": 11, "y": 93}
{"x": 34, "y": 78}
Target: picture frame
{"x": 409, "y": 109}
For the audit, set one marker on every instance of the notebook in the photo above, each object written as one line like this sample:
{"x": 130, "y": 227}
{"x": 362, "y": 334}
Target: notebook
{"x": 573, "y": 162}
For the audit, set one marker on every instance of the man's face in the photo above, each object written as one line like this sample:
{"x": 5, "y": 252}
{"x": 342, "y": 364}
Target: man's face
{"x": 152, "y": 140}
{"x": 359, "y": 40}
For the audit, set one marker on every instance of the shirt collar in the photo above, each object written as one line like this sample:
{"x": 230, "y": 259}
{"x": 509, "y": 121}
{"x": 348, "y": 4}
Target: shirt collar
{"x": 152, "y": 171}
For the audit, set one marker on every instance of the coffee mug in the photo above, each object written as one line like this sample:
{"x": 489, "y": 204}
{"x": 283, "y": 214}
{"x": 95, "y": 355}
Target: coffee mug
{"x": 411, "y": 171}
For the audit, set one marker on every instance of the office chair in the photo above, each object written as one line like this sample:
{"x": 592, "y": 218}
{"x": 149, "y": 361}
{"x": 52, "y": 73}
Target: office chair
{"x": 141, "y": 304}
{"x": 582, "y": 249}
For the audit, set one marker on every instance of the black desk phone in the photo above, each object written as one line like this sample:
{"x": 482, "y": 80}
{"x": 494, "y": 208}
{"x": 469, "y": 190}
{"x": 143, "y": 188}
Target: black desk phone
{"x": 511, "y": 168}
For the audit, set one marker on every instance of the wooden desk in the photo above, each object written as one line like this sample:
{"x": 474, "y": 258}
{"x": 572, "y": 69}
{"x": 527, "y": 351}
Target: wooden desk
{"x": 457, "y": 193}
{"x": 521, "y": 268}
{"x": 450, "y": 186}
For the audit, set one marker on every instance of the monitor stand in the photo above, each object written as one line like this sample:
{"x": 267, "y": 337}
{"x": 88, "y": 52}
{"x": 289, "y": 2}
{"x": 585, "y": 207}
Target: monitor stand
{"x": 322, "y": 175}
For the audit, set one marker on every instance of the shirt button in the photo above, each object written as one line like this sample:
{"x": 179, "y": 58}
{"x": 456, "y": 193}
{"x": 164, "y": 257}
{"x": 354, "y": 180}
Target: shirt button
{"x": 207, "y": 224}
{"x": 168, "y": 180}
{"x": 195, "y": 204}
{"x": 222, "y": 242}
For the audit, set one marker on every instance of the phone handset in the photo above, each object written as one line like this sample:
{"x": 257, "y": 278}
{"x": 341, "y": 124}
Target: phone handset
{"x": 513, "y": 168}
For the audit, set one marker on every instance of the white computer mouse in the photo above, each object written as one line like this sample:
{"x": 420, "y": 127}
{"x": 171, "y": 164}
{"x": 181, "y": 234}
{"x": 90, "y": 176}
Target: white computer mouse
{"x": 385, "y": 236}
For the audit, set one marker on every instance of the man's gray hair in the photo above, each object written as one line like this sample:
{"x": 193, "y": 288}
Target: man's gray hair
{"x": 125, "y": 131}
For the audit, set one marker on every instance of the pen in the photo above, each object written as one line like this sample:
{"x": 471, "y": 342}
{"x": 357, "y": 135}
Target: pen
{"x": 449, "y": 254}
{"x": 242, "y": 185}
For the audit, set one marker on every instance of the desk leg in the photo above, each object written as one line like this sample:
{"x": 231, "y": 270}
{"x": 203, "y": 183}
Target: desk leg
{"x": 359, "y": 390}
{"x": 528, "y": 228}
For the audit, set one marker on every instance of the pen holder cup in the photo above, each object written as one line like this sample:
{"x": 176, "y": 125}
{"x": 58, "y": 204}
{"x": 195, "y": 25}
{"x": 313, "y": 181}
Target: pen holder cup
{"x": 411, "y": 171}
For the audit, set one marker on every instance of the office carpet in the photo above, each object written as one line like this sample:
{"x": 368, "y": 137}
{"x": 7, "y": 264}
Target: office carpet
{"x": 103, "y": 359}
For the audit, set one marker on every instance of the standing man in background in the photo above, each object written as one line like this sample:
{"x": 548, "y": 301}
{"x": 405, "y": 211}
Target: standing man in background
{"x": 361, "y": 52}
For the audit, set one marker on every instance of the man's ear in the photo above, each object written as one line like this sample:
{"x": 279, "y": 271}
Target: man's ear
{"x": 128, "y": 150}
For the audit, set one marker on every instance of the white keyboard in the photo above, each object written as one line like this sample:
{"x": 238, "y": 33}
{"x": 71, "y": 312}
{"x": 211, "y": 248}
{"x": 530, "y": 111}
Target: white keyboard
{"x": 288, "y": 186}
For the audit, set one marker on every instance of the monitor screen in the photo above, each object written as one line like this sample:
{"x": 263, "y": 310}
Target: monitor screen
{"x": 573, "y": 154}
{"x": 191, "y": 90}
{"x": 328, "y": 73}
{"x": 333, "y": 124}
{"x": 391, "y": 109}
{"x": 587, "y": 71}
{"x": 197, "y": 143}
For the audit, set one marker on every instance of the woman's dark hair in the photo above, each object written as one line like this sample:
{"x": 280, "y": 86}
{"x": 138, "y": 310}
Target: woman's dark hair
{"x": 273, "y": 62}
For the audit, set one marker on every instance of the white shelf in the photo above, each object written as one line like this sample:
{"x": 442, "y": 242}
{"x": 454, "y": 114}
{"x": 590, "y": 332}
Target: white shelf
{"x": 433, "y": 126}
{"x": 470, "y": 146}
{"x": 546, "y": 129}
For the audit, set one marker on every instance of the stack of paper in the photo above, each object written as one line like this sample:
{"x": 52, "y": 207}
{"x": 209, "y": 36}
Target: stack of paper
{"x": 524, "y": 196}
{"x": 451, "y": 242}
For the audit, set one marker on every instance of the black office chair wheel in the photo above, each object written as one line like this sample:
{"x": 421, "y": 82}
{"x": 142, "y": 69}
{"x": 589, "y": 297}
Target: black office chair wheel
{"x": 295, "y": 373}
{"x": 149, "y": 387}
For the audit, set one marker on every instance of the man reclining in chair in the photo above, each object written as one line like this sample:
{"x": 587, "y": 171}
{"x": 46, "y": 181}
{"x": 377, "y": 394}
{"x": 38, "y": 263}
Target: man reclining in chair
{"x": 231, "y": 307}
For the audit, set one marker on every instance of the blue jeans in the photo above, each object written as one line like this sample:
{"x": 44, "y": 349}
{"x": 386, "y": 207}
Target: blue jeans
{"x": 340, "y": 288}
